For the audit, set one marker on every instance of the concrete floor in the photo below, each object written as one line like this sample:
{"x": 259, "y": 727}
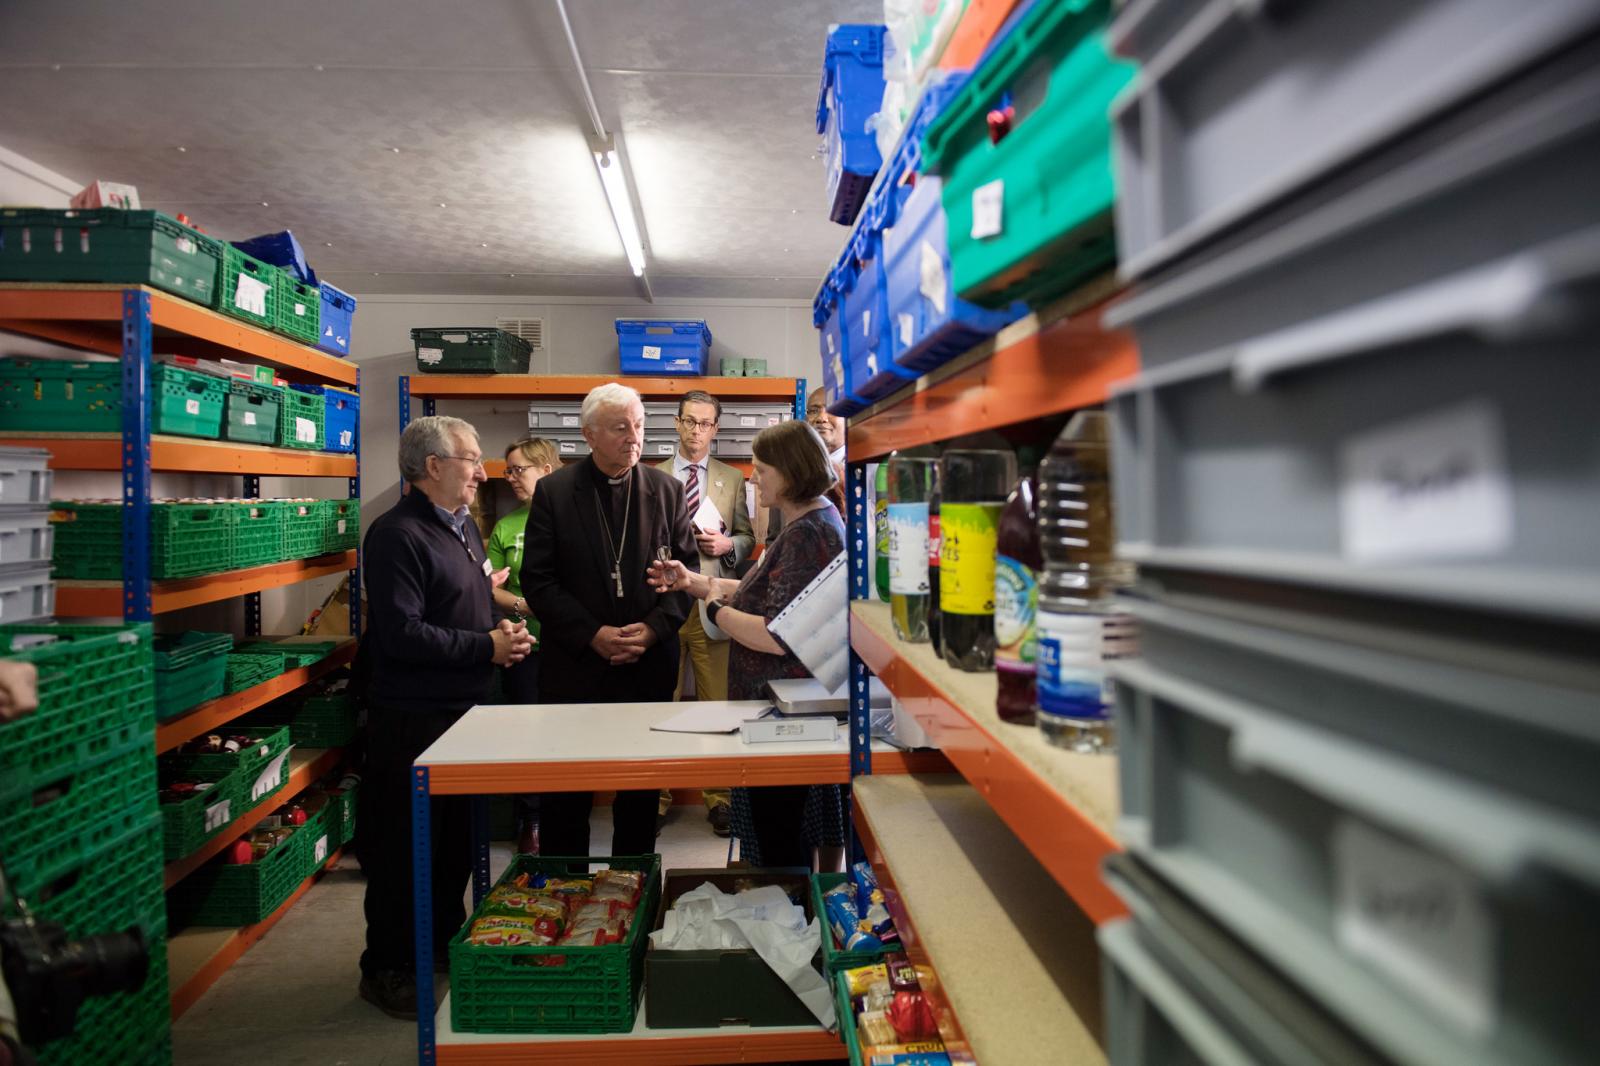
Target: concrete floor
{"x": 291, "y": 1000}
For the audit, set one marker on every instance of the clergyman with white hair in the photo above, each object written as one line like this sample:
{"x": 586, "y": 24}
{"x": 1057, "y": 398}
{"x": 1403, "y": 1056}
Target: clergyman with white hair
{"x": 606, "y": 636}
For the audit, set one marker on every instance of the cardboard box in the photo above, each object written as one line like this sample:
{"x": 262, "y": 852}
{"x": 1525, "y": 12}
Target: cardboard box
{"x": 106, "y": 194}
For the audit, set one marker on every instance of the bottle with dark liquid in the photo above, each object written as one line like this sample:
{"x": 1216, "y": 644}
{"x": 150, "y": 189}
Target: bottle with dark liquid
{"x": 974, "y": 483}
{"x": 935, "y": 616}
{"x": 1016, "y": 595}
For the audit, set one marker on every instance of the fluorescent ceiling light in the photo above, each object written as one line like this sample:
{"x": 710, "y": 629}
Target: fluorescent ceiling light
{"x": 621, "y": 208}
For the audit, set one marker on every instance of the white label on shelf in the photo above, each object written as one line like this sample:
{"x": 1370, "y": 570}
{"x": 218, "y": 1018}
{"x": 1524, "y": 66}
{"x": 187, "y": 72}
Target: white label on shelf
{"x": 305, "y": 430}
{"x": 747, "y": 420}
{"x": 430, "y": 355}
{"x": 988, "y": 209}
{"x": 250, "y": 295}
{"x": 185, "y": 245}
{"x": 319, "y": 853}
{"x": 346, "y": 437}
{"x": 249, "y": 418}
{"x": 271, "y": 777}
{"x": 650, "y": 352}
{"x": 191, "y": 406}
{"x": 569, "y": 421}
{"x": 218, "y": 815}
{"x": 1419, "y": 920}
{"x": 866, "y": 322}
{"x": 933, "y": 282}
{"x": 907, "y": 328}
{"x": 1427, "y": 487}
{"x": 299, "y": 310}
{"x": 340, "y": 526}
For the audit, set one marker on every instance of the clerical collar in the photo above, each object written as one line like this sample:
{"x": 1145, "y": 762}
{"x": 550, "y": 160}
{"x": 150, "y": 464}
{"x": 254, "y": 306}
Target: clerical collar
{"x": 603, "y": 478}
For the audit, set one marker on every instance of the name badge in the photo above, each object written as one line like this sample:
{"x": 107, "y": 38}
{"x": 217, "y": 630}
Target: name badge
{"x": 487, "y": 570}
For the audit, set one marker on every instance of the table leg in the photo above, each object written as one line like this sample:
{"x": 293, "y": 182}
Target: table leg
{"x": 422, "y": 910}
{"x": 480, "y": 848}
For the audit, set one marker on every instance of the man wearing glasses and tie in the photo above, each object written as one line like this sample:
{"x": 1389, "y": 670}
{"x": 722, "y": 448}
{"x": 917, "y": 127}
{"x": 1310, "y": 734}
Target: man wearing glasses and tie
{"x": 713, "y": 494}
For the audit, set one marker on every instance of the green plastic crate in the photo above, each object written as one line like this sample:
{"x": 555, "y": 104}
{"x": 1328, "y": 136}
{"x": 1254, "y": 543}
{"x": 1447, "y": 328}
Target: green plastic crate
{"x": 254, "y": 412}
{"x": 53, "y": 828}
{"x": 557, "y": 989}
{"x": 189, "y": 670}
{"x": 55, "y": 395}
{"x": 303, "y": 421}
{"x": 96, "y": 700}
{"x": 243, "y": 894}
{"x": 305, "y": 529}
{"x": 186, "y": 539}
{"x": 249, "y": 288}
{"x": 79, "y": 900}
{"x": 343, "y": 525}
{"x": 186, "y": 402}
{"x": 470, "y": 350}
{"x": 343, "y": 815}
{"x": 189, "y": 823}
{"x": 318, "y": 720}
{"x": 295, "y": 653}
{"x": 245, "y": 671}
{"x": 1049, "y": 180}
{"x": 299, "y": 311}
{"x": 258, "y": 532}
{"x": 109, "y": 245}
{"x": 835, "y": 958}
{"x": 322, "y": 839}
{"x": 249, "y": 762}
{"x": 846, "y": 1013}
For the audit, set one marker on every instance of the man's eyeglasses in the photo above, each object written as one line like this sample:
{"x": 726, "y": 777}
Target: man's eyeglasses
{"x": 695, "y": 423}
{"x": 476, "y": 461}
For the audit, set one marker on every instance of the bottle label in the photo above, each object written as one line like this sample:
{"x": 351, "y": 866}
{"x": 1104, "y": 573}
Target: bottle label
{"x": 1016, "y": 602}
{"x": 908, "y": 549}
{"x": 969, "y": 533}
{"x": 1073, "y": 650}
{"x": 933, "y": 539}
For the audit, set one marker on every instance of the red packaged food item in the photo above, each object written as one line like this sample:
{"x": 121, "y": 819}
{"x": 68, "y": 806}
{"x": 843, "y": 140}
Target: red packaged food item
{"x": 507, "y": 931}
{"x": 912, "y": 1017}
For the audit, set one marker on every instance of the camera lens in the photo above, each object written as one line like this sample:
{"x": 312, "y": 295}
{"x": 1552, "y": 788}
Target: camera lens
{"x": 112, "y": 962}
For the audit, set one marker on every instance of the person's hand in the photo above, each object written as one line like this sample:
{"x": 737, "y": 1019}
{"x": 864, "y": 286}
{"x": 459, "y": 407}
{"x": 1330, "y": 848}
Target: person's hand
{"x": 511, "y": 642}
{"x": 669, "y": 576}
{"x": 608, "y": 643}
{"x": 19, "y": 690}
{"x": 636, "y": 640}
{"x": 500, "y": 577}
{"x": 715, "y": 543}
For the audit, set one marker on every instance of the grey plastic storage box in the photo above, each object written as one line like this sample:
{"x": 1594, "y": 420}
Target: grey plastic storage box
{"x": 660, "y": 416}
{"x": 569, "y": 443}
{"x": 555, "y": 414}
{"x": 25, "y": 477}
{"x": 1356, "y": 417}
{"x": 659, "y": 446}
{"x": 756, "y": 416}
{"x": 1238, "y": 105}
{"x": 26, "y": 592}
{"x": 26, "y": 536}
{"x": 1414, "y": 841}
{"x": 1180, "y": 992}
{"x": 734, "y": 443}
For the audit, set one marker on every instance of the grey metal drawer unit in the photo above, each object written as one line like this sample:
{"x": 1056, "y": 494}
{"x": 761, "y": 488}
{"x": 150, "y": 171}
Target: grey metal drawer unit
{"x": 26, "y": 536}
{"x": 25, "y": 478}
{"x": 756, "y": 416}
{"x": 26, "y": 592}
{"x": 569, "y": 443}
{"x": 555, "y": 414}
{"x": 658, "y": 446}
{"x": 1238, "y": 105}
{"x": 1415, "y": 842}
{"x": 660, "y": 415}
{"x": 733, "y": 444}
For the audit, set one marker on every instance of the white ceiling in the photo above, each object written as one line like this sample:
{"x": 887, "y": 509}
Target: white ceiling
{"x": 302, "y": 103}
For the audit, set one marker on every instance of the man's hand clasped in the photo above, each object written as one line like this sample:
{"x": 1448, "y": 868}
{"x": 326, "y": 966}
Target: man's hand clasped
{"x": 511, "y": 642}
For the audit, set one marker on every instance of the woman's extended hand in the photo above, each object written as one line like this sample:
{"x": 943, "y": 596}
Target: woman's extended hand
{"x": 671, "y": 576}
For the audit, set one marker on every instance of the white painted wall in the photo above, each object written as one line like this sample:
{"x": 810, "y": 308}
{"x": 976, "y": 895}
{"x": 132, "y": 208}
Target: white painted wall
{"x": 24, "y": 183}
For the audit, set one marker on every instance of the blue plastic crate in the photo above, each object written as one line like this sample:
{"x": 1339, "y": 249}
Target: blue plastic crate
{"x": 342, "y": 413}
{"x": 828, "y": 312}
{"x": 871, "y": 372}
{"x": 851, "y": 93}
{"x": 671, "y": 347}
{"x": 338, "y": 313}
{"x": 281, "y": 250}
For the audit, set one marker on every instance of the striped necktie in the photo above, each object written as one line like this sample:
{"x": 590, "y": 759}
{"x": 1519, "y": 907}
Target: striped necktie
{"x": 691, "y": 490}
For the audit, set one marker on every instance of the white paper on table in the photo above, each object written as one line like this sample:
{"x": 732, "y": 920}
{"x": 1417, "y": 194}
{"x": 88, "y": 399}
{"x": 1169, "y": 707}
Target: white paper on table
{"x": 815, "y": 625}
{"x": 761, "y": 919}
{"x": 708, "y": 717}
{"x": 707, "y": 519}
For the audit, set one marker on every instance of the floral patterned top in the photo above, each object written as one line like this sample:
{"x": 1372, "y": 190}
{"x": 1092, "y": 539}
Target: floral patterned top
{"x": 790, "y": 563}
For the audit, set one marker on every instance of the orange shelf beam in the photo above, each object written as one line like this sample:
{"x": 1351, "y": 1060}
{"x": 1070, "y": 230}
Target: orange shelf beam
{"x": 304, "y": 772}
{"x": 186, "y": 455}
{"x": 90, "y": 316}
{"x": 659, "y": 1047}
{"x": 576, "y": 386}
{"x": 497, "y": 467}
{"x": 186, "y": 991}
{"x": 1068, "y": 843}
{"x": 103, "y": 599}
{"x": 224, "y": 709}
{"x": 1067, "y": 364}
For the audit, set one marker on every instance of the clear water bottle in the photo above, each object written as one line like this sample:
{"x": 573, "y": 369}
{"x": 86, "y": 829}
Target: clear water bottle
{"x": 910, "y": 486}
{"x": 1079, "y": 629}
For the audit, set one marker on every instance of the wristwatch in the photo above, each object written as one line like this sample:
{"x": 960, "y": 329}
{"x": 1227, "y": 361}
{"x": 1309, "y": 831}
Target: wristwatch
{"x": 519, "y": 607}
{"x": 712, "y": 607}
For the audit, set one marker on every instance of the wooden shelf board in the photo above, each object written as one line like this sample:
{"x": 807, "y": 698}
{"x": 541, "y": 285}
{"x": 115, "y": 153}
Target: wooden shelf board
{"x": 305, "y": 766}
{"x": 224, "y": 709}
{"x": 90, "y": 317}
{"x": 103, "y": 451}
{"x": 1060, "y": 804}
{"x": 103, "y": 599}
{"x": 1010, "y": 964}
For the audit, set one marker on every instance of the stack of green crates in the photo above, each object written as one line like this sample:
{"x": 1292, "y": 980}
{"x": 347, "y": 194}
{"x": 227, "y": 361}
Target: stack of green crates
{"x": 268, "y": 742}
{"x": 109, "y": 245}
{"x": 343, "y": 529}
{"x": 346, "y": 800}
{"x": 322, "y": 838}
{"x": 323, "y": 718}
{"x": 304, "y": 528}
{"x": 299, "y": 309}
{"x": 187, "y": 538}
{"x": 78, "y": 813}
{"x": 255, "y": 411}
{"x": 248, "y": 671}
{"x": 304, "y": 420}
{"x": 190, "y": 669}
{"x": 55, "y": 395}
{"x": 186, "y": 402}
{"x": 249, "y": 288}
{"x": 188, "y": 823}
{"x": 222, "y": 894}
{"x": 296, "y": 653}
{"x": 258, "y": 532}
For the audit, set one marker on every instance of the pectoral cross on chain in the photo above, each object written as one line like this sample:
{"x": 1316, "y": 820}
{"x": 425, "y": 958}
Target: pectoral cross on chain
{"x": 616, "y": 575}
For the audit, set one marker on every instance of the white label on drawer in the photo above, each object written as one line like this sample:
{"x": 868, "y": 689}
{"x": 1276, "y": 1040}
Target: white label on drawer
{"x": 866, "y": 322}
{"x": 299, "y": 310}
{"x": 250, "y": 295}
{"x": 1427, "y": 487}
{"x": 747, "y": 420}
{"x": 430, "y": 355}
{"x": 569, "y": 421}
{"x": 569, "y": 447}
{"x": 305, "y": 430}
{"x": 650, "y": 352}
{"x": 988, "y": 209}
{"x": 347, "y": 437}
{"x": 933, "y": 282}
{"x": 249, "y": 418}
{"x": 319, "y": 852}
{"x": 1417, "y": 919}
{"x": 907, "y": 328}
{"x": 340, "y": 526}
{"x": 219, "y": 815}
{"x": 185, "y": 245}
{"x": 271, "y": 777}
{"x": 191, "y": 407}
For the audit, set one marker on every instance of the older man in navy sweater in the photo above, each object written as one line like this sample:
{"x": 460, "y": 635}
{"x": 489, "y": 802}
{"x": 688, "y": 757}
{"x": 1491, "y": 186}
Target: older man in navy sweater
{"x": 429, "y": 654}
